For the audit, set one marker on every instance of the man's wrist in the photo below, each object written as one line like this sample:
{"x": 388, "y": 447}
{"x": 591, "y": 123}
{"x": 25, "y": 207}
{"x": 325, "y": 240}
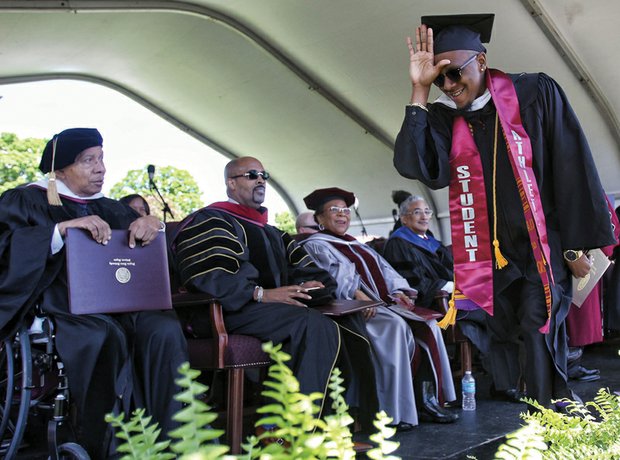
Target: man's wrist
{"x": 259, "y": 292}
{"x": 571, "y": 255}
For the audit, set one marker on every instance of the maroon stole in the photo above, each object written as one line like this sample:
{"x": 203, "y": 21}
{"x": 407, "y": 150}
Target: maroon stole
{"x": 362, "y": 259}
{"x": 255, "y": 216}
{"x": 471, "y": 238}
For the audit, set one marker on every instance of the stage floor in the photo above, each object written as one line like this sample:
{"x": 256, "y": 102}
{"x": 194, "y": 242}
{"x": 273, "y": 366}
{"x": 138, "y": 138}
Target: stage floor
{"x": 480, "y": 433}
{"x": 477, "y": 434}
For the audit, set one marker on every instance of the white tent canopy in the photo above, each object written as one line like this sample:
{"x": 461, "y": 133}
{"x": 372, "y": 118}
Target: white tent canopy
{"x": 315, "y": 89}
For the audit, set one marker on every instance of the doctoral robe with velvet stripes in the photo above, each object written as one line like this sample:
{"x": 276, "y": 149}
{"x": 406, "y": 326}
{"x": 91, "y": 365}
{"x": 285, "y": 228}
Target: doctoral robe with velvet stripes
{"x": 391, "y": 336}
{"x": 227, "y": 256}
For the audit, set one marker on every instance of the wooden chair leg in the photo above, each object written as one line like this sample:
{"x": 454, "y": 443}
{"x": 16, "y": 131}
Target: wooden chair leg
{"x": 465, "y": 357}
{"x": 234, "y": 413}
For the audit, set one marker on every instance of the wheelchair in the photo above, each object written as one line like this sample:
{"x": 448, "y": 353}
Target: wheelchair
{"x": 34, "y": 388}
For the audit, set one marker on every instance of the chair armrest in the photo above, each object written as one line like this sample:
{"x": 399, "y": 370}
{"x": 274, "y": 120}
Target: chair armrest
{"x": 216, "y": 313}
{"x": 440, "y": 302}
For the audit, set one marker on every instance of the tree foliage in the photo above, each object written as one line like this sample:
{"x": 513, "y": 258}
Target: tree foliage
{"x": 177, "y": 186}
{"x": 19, "y": 160}
{"x": 285, "y": 222}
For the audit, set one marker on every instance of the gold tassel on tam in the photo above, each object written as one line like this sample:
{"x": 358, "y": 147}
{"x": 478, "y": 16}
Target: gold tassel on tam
{"x": 450, "y": 318}
{"x": 52, "y": 190}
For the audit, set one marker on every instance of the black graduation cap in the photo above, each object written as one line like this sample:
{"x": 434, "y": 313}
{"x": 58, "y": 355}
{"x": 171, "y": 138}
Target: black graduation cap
{"x": 321, "y": 196}
{"x": 64, "y": 147}
{"x": 460, "y": 31}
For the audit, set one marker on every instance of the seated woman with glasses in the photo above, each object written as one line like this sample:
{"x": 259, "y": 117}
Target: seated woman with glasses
{"x": 363, "y": 274}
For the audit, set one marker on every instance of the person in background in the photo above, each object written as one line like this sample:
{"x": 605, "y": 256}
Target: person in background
{"x": 363, "y": 274}
{"x": 137, "y": 203}
{"x": 583, "y": 323}
{"x": 114, "y": 363}
{"x": 305, "y": 223}
{"x": 398, "y": 196}
{"x": 525, "y": 197}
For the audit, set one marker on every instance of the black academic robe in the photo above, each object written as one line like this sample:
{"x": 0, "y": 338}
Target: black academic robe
{"x": 105, "y": 356}
{"x": 228, "y": 256}
{"x": 572, "y": 199}
{"x": 424, "y": 270}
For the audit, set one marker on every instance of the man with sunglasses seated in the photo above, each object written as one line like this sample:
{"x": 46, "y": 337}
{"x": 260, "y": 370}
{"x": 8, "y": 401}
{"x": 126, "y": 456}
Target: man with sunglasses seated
{"x": 525, "y": 197}
{"x": 263, "y": 280}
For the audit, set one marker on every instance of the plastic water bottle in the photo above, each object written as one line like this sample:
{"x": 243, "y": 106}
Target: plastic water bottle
{"x": 468, "y": 384}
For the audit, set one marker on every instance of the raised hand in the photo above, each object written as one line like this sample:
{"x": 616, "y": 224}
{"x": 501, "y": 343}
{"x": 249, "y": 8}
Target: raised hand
{"x": 422, "y": 67}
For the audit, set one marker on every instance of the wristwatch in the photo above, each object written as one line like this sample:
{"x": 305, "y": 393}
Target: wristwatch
{"x": 572, "y": 256}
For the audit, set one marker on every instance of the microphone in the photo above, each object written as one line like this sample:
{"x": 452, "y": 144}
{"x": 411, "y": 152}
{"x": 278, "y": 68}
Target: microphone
{"x": 395, "y": 215}
{"x": 166, "y": 209}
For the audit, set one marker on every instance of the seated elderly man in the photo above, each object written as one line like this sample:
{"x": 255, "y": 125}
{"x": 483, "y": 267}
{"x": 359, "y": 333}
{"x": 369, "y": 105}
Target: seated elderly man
{"x": 261, "y": 277}
{"x": 427, "y": 265}
{"x": 361, "y": 273}
{"x": 112, "y": 361}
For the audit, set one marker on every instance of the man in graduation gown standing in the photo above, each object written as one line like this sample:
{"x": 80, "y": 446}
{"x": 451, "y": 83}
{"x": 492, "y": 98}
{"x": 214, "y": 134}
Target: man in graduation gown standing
{"x": 525, "y": 198}
{"x": 260, "y": 275}
{"x": 113, "y": 362}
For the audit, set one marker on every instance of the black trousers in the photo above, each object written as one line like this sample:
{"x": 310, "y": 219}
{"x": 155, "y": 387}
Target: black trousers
{"x": 518, "y": 348}
{"x": 119, "y": 363}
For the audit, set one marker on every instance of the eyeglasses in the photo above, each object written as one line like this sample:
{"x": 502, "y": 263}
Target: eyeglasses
{"x": 339, "y": 210}
{"x": 419, "y": 212}
{"x": 253, "y": 174}
{"x": 313, "y": 227}
{"x": 454, "y": 75}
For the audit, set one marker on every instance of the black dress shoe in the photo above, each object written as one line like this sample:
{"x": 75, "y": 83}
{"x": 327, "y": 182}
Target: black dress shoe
{"x": 433, "y": 413}
{"x": 402, "y": 427}
{"x": 584, "y": 375}
{"x": 510, "y": 395}
{"x": 429, "y": 409}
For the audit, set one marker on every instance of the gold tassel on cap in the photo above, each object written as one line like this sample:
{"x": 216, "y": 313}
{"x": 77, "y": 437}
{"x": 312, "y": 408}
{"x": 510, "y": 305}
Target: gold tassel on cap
{"x": 52, "y": 190}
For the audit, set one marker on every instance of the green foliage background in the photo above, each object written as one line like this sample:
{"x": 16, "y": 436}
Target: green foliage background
{"x": 286, "y": 222}
{"x": 19, "y": 160}
{"x": 177, "y": 186}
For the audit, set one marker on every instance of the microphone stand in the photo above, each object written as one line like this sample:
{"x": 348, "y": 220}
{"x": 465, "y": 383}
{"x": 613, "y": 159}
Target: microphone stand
{"x": 364, "y": 232}
{"x": 165, "y": 208}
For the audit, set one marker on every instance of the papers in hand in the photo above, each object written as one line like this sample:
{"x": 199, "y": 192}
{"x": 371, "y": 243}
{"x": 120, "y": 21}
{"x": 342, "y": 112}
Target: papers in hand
{"x": 583, "y": 286}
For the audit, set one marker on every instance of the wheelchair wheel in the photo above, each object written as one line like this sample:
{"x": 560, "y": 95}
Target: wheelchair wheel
{"x": 72, "y": 451}
{"x": 15, "y": 391}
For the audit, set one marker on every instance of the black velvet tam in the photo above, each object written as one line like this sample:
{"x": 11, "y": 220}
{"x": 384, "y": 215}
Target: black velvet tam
{"x": 69, "y": 144}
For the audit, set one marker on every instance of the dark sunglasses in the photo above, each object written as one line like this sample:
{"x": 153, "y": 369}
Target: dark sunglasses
{"x": 253, "y": 174}
{"x": 313, "y": 227}
{"x": 454, "y": 75}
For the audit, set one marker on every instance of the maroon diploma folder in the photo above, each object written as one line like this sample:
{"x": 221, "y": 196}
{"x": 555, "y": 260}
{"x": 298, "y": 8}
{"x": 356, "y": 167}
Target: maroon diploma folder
{"x": 346, "y": 307}
{"x": 115, "y": 278}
